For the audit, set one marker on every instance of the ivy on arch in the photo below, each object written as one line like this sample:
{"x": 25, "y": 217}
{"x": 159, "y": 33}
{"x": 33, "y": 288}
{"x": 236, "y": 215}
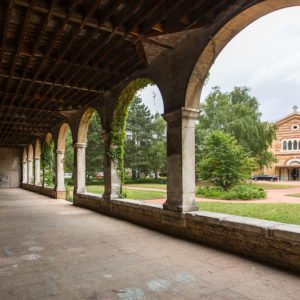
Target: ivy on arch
{"x": 118, "y": 133}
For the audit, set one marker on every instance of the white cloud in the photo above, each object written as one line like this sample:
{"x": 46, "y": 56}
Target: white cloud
{"x": 265, "y": 56}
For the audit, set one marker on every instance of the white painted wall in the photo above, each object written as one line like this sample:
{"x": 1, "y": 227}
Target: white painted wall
{"x": 10, "y": 168}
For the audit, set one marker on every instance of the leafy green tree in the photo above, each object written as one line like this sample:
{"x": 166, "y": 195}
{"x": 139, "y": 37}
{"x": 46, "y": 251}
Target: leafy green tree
{"x": 95, "y": 147}
{"x": 139, "y": 138}
{"x": 237, "y": 113}
{"x": 69, "y": 153}
{"x": 223, "y": 162}
{"x": 157, "y": 150}
{"x": 48, "y": 164}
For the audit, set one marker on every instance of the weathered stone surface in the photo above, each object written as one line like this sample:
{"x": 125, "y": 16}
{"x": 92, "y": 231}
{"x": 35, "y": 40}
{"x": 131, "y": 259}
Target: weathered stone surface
{"x": 272, "y": 242}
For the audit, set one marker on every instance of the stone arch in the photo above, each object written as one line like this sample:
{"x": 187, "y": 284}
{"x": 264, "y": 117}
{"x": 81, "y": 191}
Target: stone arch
{"x": 115, "y": 143}
{"x": 84, "y": 125}
{"x": 129, "y": 90}
{"x": 48, "y": 138}
{"x": 293, "y": 161}
{"x": 30, "y": 152}
{"x": 37, "y": 149}
{"x": 219, "y": 40}
{"x": 61, "y": 140}
{"x": 24, "y": 154}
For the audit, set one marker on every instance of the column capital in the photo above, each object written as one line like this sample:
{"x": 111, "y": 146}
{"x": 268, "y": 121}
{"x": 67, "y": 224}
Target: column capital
{"x": 24, "y": 162}
{"x": 60, "y": 151}
{"x": 29, "y": 160}
{"x": 186, "y": 113}
{"x": 37, "y": 158}
{"x": 79, "y": 145}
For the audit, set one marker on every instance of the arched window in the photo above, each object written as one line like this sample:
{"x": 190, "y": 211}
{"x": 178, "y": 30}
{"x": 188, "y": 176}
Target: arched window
{"x": 290, "y": 145}
{"x": 295, "y": 146}
{"x": 299, "y": 145}
{"x": 284, "y": 147}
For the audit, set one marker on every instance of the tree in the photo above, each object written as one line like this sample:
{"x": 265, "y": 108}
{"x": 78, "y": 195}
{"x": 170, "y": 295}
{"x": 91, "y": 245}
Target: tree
{"x": 139, "y": 138}
{"x": 95, "y": 146}
{"x": 157, "y": 150}
{"x": 48, "y": 163}
{"x": 223, "y": 161}
{"x": 69, "y": 154}
{"x": 237, "y": 113}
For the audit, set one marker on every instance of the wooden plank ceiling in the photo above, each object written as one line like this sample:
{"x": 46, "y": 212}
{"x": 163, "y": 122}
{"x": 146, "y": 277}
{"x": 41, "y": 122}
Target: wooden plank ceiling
{"x": 60, "y": 55}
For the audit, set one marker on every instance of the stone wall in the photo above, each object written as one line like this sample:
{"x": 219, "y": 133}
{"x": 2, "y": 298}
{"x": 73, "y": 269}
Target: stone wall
{"x": 10, "y": 168}
{"x": 40, "y": 190}
{"x": 272, "y": 242}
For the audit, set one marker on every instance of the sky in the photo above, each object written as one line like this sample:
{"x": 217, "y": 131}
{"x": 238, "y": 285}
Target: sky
{"x": 265, "y": 57}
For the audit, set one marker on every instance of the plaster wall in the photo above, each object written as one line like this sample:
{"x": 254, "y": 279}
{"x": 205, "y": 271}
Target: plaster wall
{"x": 10, "y": 169}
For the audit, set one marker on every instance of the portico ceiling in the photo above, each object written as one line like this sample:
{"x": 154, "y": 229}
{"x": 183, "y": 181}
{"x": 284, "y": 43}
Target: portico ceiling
{"x": 58, "y": 56}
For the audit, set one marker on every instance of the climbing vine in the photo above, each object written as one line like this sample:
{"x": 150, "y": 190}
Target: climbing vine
{"x": 48, "y": 163}
{"x": 118, "y": 133}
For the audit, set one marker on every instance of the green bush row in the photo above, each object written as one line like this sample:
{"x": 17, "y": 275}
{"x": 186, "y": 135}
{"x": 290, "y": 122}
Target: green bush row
{"x": 239, "y": 192}
{"x": 146, "y": 180}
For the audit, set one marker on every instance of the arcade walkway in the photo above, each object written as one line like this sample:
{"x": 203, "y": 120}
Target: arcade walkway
{"x": 52, "y": 250}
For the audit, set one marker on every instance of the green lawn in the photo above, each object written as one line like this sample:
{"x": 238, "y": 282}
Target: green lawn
{"x": 131, "y": 193}
{"x": 143, "y": 194}
{"x": 148, "y": 185}
{"x": 271, "y": 186}
{"x": 280, "y": 212}
{"x": 294, "y": 195}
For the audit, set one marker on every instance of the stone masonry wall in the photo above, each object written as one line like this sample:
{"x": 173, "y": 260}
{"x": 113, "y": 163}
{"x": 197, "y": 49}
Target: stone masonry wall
{"x": 272, "y": 242}
{"x": 40, "y": 190}
{"x": 10, "y": 168}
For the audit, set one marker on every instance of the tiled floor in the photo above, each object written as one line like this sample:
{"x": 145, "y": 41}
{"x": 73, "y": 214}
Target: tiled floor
{"x": 52, "y": 250}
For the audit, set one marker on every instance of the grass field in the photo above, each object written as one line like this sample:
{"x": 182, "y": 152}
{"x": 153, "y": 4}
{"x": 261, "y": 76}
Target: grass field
{"x": 148, "y": 185}
{"x": 294, "y": 195}
{"x": 131, "y": 193}
{"x": 279, "y": 212}
{"x": 272, "y": 186}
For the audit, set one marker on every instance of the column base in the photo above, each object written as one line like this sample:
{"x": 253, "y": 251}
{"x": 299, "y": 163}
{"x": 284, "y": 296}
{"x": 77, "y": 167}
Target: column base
{"x": 60, "y": 194}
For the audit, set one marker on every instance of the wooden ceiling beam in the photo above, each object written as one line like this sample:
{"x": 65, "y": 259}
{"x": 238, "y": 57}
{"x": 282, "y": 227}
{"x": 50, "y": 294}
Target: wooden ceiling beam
{"x": 24, "y": 124}
{"x": 19, "y": 108}
{"x": 51, "y": 44}
{"x": 52, "y": 84}
{"x": 36, "y": 44}
{"x": 19, "y": 45}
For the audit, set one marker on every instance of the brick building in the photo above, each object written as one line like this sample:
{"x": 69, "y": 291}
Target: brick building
{"x": 286, "y": 148}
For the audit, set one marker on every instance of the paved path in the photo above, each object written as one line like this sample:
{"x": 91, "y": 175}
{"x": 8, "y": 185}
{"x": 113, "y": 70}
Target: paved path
{"x": 273, "y": 195}
{"x": 50, "y": 249}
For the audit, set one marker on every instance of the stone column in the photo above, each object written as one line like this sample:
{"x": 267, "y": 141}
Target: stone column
{"x": 60, "y": 182}
{"x": 30, "y": 171}
{"x": 181, "y": 160}
{"x": 112, "y": 182}
{"x": 79, "y": 150}
{"x": 24, "y": 172}
{"x": 37, "y": 171}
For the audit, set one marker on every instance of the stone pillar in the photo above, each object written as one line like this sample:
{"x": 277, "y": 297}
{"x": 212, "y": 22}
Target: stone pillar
{"x": 37, "y": 171}
{"x": 24, "y": 172}
{"x": 112, "y": 182}
{"x": 60, "y": 182}
{"x": 30, "y": 178}
{"x": 181, "y": 160}
{"x": 79, "y": 151}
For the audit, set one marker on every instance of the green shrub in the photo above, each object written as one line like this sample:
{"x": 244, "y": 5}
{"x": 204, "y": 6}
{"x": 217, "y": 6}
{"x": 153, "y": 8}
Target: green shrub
{"x": 239, "y": 192}
{"x": 69, "y": 194}
{"x": 94, "y": 181}
{"x": 69, "y": 181}
{"x": 146, "y": 180}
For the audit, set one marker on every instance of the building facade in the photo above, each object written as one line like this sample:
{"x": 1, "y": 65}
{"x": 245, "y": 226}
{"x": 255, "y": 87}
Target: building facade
{"x": 286, "y": 148}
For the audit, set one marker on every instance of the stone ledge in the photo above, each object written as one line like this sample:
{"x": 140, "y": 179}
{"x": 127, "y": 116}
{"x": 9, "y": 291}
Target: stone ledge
{"x": 286, "y": 232}
{"x": 272, "y": 242}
